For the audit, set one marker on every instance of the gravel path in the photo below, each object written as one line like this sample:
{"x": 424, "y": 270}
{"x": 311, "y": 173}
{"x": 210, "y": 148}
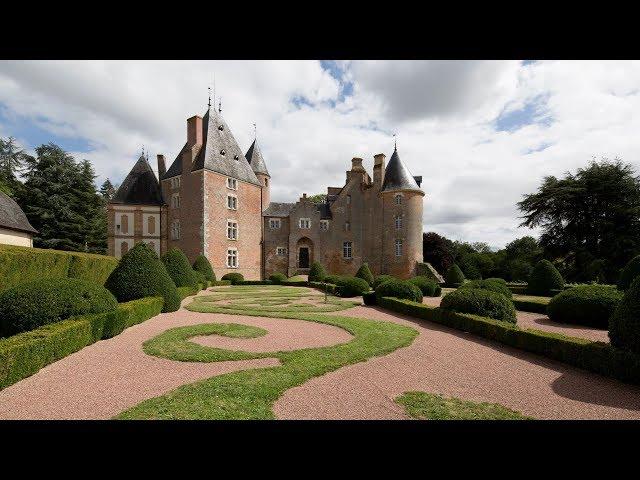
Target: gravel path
{"x": 453, "y": 363}
{"x": 540, "y": 321}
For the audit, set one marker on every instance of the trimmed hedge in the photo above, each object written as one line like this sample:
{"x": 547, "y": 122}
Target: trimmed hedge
{"x": 365, "y": 274}
{"x": 202, "y": 265}
{"x": 295, "y": 283}
{"x": 496, "y": 285}
{"x": 544, "y": 278}
{"x": 219, "y": 283}
{"x": 180, "y": 271}
{"x": 352, "y": 286}
{"x": 624, "y": 325}
{"x": 255, "y": 282}
{"x": 233, "y": 277}
{"x": 630, "y": 271}
{"x": 331, "y": 288}
{"x": 590, "y": 305}
{"x": 23, "y": 264}
{"x": 202, "y": 281}
{"x": 24, "y": 354}
{"x": 369, "y": 298}
{"x": 184, "y": 292}
{"x": 317, "y": 273}
{"x": 597, "y": 357}
{"x": 531, "y": 305}
{"x": 454, "y": 275}
{"x": 278, "y": 278}
{"x": 380, "y": 279}
{"x": 427, "y": 286}
{"x": 32, "y": 304}
{"x": 480, "y": 302}
{"x": 332, "y": 279}
{"x": 398, "y": 289}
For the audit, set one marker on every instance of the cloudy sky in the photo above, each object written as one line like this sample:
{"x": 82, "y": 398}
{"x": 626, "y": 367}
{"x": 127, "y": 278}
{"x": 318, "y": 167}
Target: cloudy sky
{"x": 481, "y": 133}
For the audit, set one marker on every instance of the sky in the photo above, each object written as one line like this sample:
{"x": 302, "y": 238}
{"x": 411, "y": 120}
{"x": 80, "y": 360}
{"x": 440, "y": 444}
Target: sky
{"x": 481, "y": 133}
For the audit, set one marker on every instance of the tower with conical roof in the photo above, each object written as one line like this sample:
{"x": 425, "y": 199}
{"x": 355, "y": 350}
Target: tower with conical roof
{"x": 259, "y": 167}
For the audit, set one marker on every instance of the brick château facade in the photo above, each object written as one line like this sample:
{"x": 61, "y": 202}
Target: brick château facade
{"x": 214, "y": 200}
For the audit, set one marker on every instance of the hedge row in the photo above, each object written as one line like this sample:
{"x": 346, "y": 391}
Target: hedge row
{"x": 24, "y": 354}
{"x": 330, "y": 288}
{"x": 22, "y": 264}
{"x": 533, "y": 306}
{"x": 219, "y": 283}
{"x": 255, "y": 282}
{"x": 597, "y": 357}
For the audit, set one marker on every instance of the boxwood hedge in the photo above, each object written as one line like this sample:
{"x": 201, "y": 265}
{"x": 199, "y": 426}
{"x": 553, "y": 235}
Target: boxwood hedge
{"x": 427, "y": 286}
{"x": 624, "y": 325}
{"x": 317, "y": 272}
{"x": 179, "y": 269}
{"x": 496, "y": 285}
{"x": 202, "y": 265}
{"x": 398, "y": 289}
{"x": 233, "y": 277}
{"x": 544, "y": 278}
{"x": 380, "y": 279}
{"x": 629, "y": 273}
{"x": 365, "y": 273}
{"x": 590, "y": 305}
{"x": 480, "y": 302}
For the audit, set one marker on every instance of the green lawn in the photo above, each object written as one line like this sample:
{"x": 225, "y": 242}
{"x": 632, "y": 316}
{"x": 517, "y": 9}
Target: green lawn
{"x": 250, "y": 394}
{"x": 428, "y": 406}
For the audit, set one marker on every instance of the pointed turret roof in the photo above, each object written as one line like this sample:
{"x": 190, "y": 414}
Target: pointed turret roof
{"x": 397, "y": 176}
{"x": 141, "y": 186}
{"x": 255, "y": 159}
{"x": 12, "y": 217}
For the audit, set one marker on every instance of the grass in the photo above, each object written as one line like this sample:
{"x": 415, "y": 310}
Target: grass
{"x": 296, "y": 278}
{"x": 429, "y": 406}
{"x": 250, "y": 394}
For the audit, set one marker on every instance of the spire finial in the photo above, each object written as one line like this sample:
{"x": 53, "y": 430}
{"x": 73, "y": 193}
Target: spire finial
{"x": 209, "y": 104}
{"x": 220, "y": 105}
{"x": 255, "y": 132}
{"x": 395, "y": 142}
{"x": 143, "y": 150}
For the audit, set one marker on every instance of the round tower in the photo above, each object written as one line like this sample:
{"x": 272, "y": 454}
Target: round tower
{"x": 255, "y": 159}
{"x": 402, "y": 208}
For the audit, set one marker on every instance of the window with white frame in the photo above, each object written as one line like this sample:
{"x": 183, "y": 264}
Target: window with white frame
{"x": 347, "y": 249}
{"x": 232, "y": 183}
{"x": 274, "y": 223}
{"x": 232, "y": 230}
{"x": 232, "y": 202}
{"x": 175, "y": 230}
{"x": 305, "y": 223}
{"x": 281, "y": 251}
{"x": 347, "y": 226}
{"x": 175, "y": 200}
{"x": 175, "y": 182}
{"x": 232, "y": 258}
{"x": 398, "y": 199}
{"x": 398, "y": 248}
{"x": 324, "y": 224}
{"x": 398, "y": 222}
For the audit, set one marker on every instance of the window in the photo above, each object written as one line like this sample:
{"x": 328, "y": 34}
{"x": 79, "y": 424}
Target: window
{"x": 232, "y": 183}
{"x": 232, "y": 258}
{"x": 175, "y": 230}
{"x": 232, "y": 202}
{"x": 324, "y": 224}
{"x": 398, "y": 222}
{"x": 281, "y": 251}
{"x": 151, "y": 225}
{"x": 232, "y": 230}
{"x": 348, "y": 199}
{"x": 347, "y": 226}
{"x": 124, "y": 248}
{"x": 124, "y": 222}
{"x": 398, "y": 199}
{"x": 305, "y": 223}
{"x": 175, "y": 200}
{"x": 274, "y": 223}
{"x": 346, "y": 249}
{"x": 266, "y": 182}
{"x": 398, "y": 248}
{"x": 175, "y": 182}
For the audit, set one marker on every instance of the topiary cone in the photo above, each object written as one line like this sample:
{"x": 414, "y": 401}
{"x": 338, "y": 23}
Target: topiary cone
{"x": 454, "y": 275}
{"x": 544, "y": 278}
{"x": 365, "y": 273}
{"x": 624, "y": 325}
{"x": 317, "y": 272}
{"x": 203, "y": 266}
{"x": 179, "y": 269}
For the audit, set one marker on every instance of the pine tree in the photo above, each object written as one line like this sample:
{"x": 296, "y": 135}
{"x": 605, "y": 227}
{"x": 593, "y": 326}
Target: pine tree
{"x": 11, "y": 161}
{"x": 107, "y": 190}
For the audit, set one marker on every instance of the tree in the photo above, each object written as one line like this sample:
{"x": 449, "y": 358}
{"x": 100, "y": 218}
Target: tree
{"x": 590, "y": 219}
{"x": 318, "y": 198}
{"x": 437, "y": 251}
{"x": 11, "y": 162}
{"x": 107, "y": 190}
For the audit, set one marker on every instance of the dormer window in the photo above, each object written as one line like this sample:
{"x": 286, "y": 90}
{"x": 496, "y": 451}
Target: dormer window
{"x": 232, "y": 183}
{"x": 223, "y": 152}
{"x": 221, "y": 127}
{"x": 236, "y": 157}
{"x": 398, "y": 199}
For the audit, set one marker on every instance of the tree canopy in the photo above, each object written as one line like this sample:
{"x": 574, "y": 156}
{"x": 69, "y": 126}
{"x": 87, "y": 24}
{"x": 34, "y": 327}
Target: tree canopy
{"x": 12, "y": 159}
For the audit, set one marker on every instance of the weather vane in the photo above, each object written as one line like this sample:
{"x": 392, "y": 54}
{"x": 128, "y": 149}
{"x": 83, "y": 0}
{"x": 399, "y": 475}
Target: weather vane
{"x": 395, "y": 141}
{"x": 255, "y": 131}
{"x": 209, "y": 88}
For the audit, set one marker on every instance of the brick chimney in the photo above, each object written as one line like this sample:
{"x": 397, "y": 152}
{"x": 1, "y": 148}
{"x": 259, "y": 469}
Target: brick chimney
{"x": 162, "y": 168}
{"x": 194, "y": 131}
{"x": 378, "y": 169}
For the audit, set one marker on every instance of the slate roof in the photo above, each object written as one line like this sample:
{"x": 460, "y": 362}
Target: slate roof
{"x": 397, "y": 176}
{"x": 255, "y": 159}
{"x": 12, "y": 217}
{"x": 278, "y": 209}
{"x": 141, "y": 186}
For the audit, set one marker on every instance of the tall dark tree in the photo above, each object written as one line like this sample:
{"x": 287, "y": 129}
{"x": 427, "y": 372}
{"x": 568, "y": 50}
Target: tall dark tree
{"x": 107, "y": 190}
{"x": 438, "y": 251}
{"x": 12, "y": 160}
{"x": 590, "y": 219}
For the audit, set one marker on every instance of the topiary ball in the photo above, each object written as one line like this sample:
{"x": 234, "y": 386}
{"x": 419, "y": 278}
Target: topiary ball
{"x": 590, "y": 305}
{"x": 317, "y": 272}
{"x": 398, "y": 289}
{"x": 624, "y": 325}
{"x": 380, "y": 279}
{"x": 177, "y": 264}
{"x": 203, "y": 266}
{"x": 427, "y": 286}
{"x": 454, "y": 275}
{"x": 484, "y": 303}
{"x": 492, "y": 284}
{"x": 630, "y": 271}
{"x": 233, "y": 277}
{"x": 278, "y": 278}
{"x": 139, "y": 274}
{"x": 365, "y": 274}
{"x": 544, "y": 278}
{"x": 36, "y": 303}
{"x": 352, "y": 286}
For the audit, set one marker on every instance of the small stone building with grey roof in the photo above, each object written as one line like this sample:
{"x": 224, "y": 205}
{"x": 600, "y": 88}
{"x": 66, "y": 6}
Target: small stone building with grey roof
{"x": 15, "y": 229}
{"x": 215, "y": 201}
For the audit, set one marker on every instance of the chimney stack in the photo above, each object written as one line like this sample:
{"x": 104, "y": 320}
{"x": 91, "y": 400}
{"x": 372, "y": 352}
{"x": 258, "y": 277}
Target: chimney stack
{"x": 356, "y": 165}
{"x": 162, "y": 169}
{"x": 194, "y": 131}
{"x": 378, "y": 169}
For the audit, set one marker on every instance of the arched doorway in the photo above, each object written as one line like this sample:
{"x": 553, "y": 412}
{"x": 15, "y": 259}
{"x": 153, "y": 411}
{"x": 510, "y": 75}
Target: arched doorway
{"x": 304, "y": 254}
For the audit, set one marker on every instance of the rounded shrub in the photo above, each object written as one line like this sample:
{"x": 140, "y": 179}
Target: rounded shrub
{"x": 233, "y": 277}
{"x": 624, "y": 324}
{"x": 36, "y": 303}
{"x": 369, "y": 298}
{"x": 630, "y": 271}
{"x": 380, "y": 279}
{"x": 317, "y": 272}
{"x": 398, "y": 289}
{"x": 544, "y": 278}
{"x": 177, "y": 264}
{"x": 365, "y": 273}
{"x": 427, "y": 286}
{"x": 332, "y": 279}
{"x": 590, "y": 305}
{"x": 352, "y": 286}
{"x": 203, "y": 266}
{"x": 139, "y": 274}
{"x": 454, "y": 275}
{"x": 492, "y": 284}
{"x": 484, "y": 303}
{"x": 278, "y": 278}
